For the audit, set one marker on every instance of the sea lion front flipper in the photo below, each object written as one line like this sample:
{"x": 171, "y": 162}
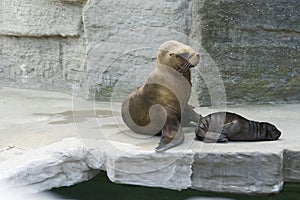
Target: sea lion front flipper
{"x": 189, "y": 115}
{"x": 177, "y": 140}
{"x": 172, "y": 135}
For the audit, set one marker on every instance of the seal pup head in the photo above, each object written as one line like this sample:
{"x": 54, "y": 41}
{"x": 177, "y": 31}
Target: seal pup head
{"x": 272, "y": 133}
{"x": 178, "y": 56}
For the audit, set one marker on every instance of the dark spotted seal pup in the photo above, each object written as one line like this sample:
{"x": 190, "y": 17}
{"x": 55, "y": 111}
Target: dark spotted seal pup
{"x": 224, "y": 126}
{"x": 160, "y": 104}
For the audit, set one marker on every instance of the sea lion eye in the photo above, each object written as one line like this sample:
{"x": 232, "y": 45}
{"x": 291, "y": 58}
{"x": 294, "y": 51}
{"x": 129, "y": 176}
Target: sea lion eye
{"x": 173, "y": 54}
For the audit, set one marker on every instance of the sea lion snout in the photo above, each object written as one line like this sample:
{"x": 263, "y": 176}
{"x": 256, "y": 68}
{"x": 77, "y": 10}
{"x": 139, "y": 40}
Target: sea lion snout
{"x": 178, "y": 56}
{"x": 194, "y": 59}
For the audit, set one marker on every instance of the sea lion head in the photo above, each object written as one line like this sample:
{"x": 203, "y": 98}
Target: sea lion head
{"x": 272, "y": 133}
{"x": 178, "y": 56}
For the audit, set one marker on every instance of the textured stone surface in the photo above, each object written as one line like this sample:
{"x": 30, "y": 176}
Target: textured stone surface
{"x": 56, "y": 165}
{"x": 292, "y": 166}
{"x": 41, "y": 63}
{"x": 256, "y": 46}
{"x": 40, "y": 18}
{"x": 123, "y": 35}
{"x": 34, "y": 150}
{"x": 238, "y": 172}
{"x": 174, "y": 169}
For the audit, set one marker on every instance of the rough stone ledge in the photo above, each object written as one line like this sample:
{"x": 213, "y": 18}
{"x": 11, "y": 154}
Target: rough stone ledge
{"x": 49, "y": 141}
{"x": 291, "y": 166}
{"x": 238, "y": 172}
{"x": 70, "y": 161}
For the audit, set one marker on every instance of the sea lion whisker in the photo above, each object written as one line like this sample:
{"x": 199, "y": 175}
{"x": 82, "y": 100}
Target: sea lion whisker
{"x": 185, "y": 66}
{"x": 189, "y": 66}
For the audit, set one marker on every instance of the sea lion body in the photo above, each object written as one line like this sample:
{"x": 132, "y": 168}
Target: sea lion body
{"x": 224, "y": 126}
{"x": 159, "y": 104}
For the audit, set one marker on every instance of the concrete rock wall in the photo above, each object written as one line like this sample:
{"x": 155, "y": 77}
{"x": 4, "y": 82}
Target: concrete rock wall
{"x": 40, "y": 18}
{"x": 122, "y": 40}
{"x": 256, "y": 45}
{"x": 105, "y": 49}
{"x": 50, "y": 63}
{"x": 40, "y": 44}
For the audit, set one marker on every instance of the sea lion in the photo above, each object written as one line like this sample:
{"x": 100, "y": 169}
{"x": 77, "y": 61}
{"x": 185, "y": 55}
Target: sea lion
{"x": 158, "y": 105}
{"x": 225, "y": 126}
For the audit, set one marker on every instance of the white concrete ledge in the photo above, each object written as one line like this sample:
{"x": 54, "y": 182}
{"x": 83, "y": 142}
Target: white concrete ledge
{"x": 45, "y": 145}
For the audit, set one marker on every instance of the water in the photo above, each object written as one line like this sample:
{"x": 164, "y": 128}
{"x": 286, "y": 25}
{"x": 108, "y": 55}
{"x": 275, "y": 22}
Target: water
{"x": 101, "y": 188}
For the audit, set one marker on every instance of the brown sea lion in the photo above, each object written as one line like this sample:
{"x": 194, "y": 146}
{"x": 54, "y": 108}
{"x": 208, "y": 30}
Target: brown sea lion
{"x": 159, "y": 104}
{"x": 225, "y": 126}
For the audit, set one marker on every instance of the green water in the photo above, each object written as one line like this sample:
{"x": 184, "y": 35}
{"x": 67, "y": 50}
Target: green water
{"x": 101, "y": 188}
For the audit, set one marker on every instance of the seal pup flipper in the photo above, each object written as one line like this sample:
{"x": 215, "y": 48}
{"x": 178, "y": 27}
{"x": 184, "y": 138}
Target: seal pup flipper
{"x": 204, "y": 134}
{"x": 212, "y": 137}
{"x": 172, "y": 135}
{"x": 232, "y": 128}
